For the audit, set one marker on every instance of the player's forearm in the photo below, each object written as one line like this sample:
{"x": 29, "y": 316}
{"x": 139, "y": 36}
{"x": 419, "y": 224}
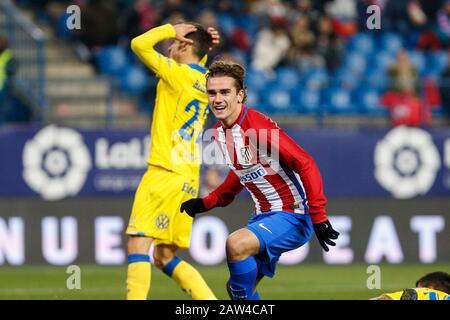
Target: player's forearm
{"x": 224, "y": 194}
{"x": 215, "y": 199}
{"x": 211, "y": 201}
{"x": 298, "y": 160}
{"x": 312, "y": 181}
{"x": 143, "y": 45}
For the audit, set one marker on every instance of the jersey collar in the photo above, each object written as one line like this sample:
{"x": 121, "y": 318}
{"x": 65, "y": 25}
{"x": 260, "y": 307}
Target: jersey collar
{"x": 197, "y": 67}
{"x": 240, "y": 118}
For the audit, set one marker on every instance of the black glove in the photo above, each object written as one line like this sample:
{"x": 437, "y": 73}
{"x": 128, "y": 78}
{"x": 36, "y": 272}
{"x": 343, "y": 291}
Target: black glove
{"x": 325, "y": 232}
{"x": 193, "y": 206}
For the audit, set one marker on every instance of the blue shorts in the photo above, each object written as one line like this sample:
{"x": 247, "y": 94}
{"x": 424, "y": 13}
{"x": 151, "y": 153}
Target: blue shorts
{"x": 278, "y": 232}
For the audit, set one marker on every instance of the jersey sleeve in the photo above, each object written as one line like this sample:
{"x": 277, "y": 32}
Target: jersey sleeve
{"x": 298, "y": 160}
{"x": 394, "y": 295}
{"x": 301, "y": 162}
{"x": 164, "y": 67}
{"x": 224, "y": 194}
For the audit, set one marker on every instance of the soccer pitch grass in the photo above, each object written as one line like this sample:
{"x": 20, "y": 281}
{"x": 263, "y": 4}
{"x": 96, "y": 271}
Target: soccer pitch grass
{"x": 308, "y": 281}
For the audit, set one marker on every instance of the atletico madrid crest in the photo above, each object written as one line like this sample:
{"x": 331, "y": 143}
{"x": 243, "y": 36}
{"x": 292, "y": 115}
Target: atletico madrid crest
{"x": 162, "y": 221}
{"x": 246, "y": 154}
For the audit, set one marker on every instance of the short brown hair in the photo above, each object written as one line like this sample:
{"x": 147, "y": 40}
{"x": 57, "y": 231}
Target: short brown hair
{"x": 222, "y": 68}
{"x": 438, "y": 280}
{"x": 202, "y": 40}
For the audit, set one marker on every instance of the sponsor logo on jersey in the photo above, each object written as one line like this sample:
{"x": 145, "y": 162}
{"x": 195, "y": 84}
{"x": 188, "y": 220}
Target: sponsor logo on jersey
{"x": 200, "y": 87}
{"x": 251, "y": 174}
{"x": 187, "y": 188}
{"x": 162, "y": 221}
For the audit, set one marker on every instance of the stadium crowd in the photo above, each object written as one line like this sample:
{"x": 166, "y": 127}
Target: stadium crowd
{"x": 323, "y": 46}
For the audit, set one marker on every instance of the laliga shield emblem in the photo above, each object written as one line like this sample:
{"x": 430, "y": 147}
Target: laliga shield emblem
{"x": 56, "y": 162}
{"x": 406, "y": 162}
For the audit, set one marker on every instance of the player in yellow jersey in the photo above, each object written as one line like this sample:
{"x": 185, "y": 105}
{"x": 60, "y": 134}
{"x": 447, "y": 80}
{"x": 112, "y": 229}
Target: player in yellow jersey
{"x": 174, "y": 163}
{"x": 433, "y": 286}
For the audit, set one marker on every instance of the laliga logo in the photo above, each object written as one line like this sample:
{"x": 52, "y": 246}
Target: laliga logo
{"x": 406, "y": 162}
{"x": 56, "y": 162}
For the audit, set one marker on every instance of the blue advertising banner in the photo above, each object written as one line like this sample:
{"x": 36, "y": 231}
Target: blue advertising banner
{"x": 57, "y": 162}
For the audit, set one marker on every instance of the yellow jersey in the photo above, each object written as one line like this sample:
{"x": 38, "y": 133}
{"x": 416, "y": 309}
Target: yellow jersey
{"x": 180, "y": 108}
{"x": 419, "y": 294}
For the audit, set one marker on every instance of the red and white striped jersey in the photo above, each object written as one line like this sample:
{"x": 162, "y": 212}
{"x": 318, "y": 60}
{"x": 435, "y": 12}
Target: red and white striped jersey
{"x": 277, "y": 172}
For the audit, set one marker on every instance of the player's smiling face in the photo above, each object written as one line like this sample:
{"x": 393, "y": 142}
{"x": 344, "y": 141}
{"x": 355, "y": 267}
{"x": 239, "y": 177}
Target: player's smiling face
{"x": 224, "y": 100}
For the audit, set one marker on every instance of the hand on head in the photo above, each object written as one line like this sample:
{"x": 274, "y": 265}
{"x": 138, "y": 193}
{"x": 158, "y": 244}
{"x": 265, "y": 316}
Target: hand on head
{"x": 182, "y": 29}
{"x": 215, "y": 36}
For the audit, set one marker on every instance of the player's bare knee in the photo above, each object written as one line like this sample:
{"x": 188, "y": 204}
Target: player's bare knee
{"x": 235, "y": 248}
{"x": 162, "y": 256}
{"x": 131, "y": 245}
{"x": 161, "y": 261}
{"x": 158, "y": 262}
{"x": 138, "y": 245}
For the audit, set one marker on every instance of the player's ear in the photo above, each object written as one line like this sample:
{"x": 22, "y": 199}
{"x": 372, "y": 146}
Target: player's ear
{"x": 241, "y": 96}
{"x": 184, "y": 46}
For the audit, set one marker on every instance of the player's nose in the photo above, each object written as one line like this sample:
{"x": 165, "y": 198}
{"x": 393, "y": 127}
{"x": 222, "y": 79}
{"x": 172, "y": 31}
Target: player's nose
{"x": 218, "y": 98}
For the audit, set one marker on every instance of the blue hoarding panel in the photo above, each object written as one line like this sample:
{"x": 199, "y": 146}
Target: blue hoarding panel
{"x": 59, "y": 162}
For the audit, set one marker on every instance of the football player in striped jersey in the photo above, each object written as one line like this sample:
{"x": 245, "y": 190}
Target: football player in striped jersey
{"x": 282, "y": 178}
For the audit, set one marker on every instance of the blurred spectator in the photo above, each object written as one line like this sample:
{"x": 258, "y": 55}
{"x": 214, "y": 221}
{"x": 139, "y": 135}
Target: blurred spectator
{"x": 171, "y": 7}
{"x": 8, "y": 68}
{"x": 395, "y": 18}
{"x": 443, "y": 23}
{"x": 328, "y": 45}
{"x": 343, "y": 15}
{"x": 403, "y": 75}
{"x": 176, "y": 17}
{"x": 304, "y": 8}
{"x": 142, "y": 17}
{"x": 445, "y": 90}
{"x": 423, "y": 23}
{"x": 302, "y": 54}
{"x": 211, "y": 180}
{"x": 240, "y": 39}
{"x": 271, "y": 46}
{"x": 268, "y": 11}
{"x": 404, "y": 108}
{"x": 344, "y": 10}
{"x": 431, "y": 99}
{"x": 429, "y": 8}
{"x": 100, "y": 23}
{"x": 415, "y": 13}
{"x": 402, "y": 99}
{"x": 231, "y": 7}
{"x": 207, "y": 17}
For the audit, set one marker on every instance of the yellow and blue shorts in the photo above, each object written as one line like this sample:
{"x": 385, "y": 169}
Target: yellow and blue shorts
{"x": 156, "y": 208}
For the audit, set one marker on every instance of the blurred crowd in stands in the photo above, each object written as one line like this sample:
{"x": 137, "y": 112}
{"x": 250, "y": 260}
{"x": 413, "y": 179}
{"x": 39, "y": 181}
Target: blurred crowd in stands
{"x": 8, "y": 68}
{"x": 314, "y": 57}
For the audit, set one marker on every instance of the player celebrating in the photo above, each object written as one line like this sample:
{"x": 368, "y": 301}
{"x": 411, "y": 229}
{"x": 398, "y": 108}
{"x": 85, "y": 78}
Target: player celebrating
{"x": 172, "y": 177}
{"x": 281, "y": 177}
